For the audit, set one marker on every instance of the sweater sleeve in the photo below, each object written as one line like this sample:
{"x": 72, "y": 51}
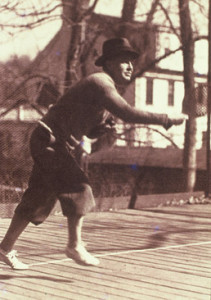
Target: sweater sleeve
{"x": 112, "y": 101}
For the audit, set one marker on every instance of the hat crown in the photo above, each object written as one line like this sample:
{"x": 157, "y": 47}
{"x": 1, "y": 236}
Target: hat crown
{"x": 116, "y": 44}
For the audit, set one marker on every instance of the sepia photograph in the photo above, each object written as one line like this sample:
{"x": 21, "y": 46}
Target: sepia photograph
{"x": 105, "y": 170}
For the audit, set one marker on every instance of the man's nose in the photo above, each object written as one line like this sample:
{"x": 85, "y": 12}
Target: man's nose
{"x": 130, "y": 66}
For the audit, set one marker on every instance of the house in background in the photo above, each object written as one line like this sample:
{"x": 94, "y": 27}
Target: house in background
{"x": 139, "y": 149}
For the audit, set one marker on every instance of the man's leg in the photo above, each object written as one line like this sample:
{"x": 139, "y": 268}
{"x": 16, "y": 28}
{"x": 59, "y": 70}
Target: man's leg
{"x": 75, "y": 248}
{"x": 17, "y": 226}
{"x": 75, "y": 224}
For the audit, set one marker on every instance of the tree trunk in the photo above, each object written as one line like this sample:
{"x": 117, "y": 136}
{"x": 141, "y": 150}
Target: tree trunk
{"x": 74, "y": 12}
{"x": 128, "y": 11}
{"x": 189, "y": 99}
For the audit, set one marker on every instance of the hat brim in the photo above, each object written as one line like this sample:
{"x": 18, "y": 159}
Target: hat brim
{"x": 101, "y": 60}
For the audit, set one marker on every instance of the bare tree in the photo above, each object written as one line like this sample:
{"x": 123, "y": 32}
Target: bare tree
{"x": 189, "y": 100}
{"x": 76, "y": 14}
{"x": 187, "y": 39}
{"x": 17, "y": 16}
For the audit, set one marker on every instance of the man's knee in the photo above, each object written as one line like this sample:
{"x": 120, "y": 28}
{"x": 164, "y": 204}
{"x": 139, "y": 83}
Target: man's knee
{"x": 79, "y": 202}
{"x": 86, "y": 191}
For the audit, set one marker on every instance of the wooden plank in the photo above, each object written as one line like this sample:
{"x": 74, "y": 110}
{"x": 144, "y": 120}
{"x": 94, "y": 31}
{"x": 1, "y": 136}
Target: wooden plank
{"x": 148, "y": 254}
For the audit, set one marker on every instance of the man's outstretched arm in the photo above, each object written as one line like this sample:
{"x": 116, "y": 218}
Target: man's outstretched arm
{"x": 118, "y": 106}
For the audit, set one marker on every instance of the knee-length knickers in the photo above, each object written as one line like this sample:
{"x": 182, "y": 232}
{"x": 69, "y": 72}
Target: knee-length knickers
{"x": 55, "y": 175}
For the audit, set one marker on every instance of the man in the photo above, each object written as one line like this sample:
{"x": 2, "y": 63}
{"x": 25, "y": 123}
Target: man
{"x": 85, "y": 110}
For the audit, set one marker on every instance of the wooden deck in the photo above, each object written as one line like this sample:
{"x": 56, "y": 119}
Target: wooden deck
{"x": 149, "y": 254}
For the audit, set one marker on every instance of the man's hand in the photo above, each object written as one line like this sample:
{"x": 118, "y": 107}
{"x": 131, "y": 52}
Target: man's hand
{"x": 175, "y": 120}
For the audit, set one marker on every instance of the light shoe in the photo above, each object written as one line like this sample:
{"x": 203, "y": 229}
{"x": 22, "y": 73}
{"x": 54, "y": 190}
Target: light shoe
{"x": 10, "y": 259}
{"x": 80, "y": 255}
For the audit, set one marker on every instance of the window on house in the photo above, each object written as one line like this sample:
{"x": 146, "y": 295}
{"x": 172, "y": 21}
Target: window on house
{"x": 201, "y": 99}
{"x": 201, "y": 93}
{"x": 171, "y": 93}
{"x": 149, "y": 96}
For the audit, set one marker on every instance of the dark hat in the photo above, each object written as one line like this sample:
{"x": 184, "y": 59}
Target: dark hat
{"x": 115, "y": 47}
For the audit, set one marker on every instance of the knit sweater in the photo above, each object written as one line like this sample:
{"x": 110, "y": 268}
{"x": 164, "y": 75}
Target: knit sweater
{"x": 89, "y": 103}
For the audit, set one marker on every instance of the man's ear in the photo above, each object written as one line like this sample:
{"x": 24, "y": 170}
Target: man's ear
{"x": 108, "y": 64}
{"x": 109, "y": 67}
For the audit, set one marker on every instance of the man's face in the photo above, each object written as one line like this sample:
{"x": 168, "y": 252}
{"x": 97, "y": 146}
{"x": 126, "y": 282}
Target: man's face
{"x": 121, "y": 68}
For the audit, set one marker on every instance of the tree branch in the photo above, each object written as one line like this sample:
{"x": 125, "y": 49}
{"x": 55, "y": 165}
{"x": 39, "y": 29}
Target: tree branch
{"x": 152, "y": 63}
{"x": 169, "y": 20}
{"x": 91, "y": 9}
{"x": 143, "y": 126}
{"x": 22, "y": 85}
{"x": 201, "y": 8}
{"x": 151, "y": 13}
